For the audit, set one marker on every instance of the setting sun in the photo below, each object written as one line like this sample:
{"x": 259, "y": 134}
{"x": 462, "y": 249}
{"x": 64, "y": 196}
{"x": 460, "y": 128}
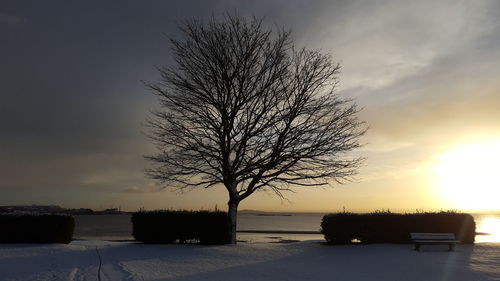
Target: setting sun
{"x": 467, "y": 176}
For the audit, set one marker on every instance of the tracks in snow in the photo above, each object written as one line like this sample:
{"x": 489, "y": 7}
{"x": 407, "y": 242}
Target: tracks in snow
{"x": 110, "y": 269}
{"x": 93, "y": 263}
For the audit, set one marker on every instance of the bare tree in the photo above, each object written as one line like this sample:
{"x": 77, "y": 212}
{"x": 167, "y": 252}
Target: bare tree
{"x": 243, "y": 108}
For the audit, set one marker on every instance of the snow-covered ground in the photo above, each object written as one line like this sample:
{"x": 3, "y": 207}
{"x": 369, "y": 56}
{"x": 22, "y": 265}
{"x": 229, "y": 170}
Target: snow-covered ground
{"x": 308, "y": 260}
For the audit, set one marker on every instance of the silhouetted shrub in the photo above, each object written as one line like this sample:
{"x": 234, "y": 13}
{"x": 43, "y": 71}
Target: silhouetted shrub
{"x": 386, "y": 227}
{"x": 203, "y": 227}
{"x": 33, "y": 228}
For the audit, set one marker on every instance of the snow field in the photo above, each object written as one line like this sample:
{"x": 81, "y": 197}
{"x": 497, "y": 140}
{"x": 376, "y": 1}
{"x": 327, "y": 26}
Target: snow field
{"x": 308, "y": 260}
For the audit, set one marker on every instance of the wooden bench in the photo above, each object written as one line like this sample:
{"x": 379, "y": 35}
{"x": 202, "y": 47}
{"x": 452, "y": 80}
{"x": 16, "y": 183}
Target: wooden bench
{"x": 434, "y": 239}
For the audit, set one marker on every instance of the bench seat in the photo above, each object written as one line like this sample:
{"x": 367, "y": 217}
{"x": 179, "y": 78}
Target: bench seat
{"x": 434, "y": 239}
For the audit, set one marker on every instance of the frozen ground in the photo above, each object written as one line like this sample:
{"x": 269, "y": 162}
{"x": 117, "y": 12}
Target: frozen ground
{"x": 306, "y": 260}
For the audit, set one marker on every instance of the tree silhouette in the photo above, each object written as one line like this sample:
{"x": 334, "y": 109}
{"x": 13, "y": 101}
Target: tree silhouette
{"x": 241, "y": 107}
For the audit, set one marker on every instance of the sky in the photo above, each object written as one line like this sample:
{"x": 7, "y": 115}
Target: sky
{"x": 73, "y": 102}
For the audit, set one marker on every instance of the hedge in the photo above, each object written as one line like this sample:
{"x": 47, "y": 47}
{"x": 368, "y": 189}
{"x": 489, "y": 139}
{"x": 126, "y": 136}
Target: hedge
{"x": 166, "y": 227}
{"x": 35, "y": 228}
{"x": 386, "y": 227}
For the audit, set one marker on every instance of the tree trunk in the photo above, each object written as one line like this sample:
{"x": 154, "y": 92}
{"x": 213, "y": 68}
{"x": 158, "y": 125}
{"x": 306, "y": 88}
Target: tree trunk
{"x": 233, "y": 216}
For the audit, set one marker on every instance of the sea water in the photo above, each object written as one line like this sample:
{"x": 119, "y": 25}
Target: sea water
{"x": 119, "y": 227}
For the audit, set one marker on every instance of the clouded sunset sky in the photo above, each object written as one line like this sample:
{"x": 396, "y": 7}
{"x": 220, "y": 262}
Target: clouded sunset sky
{"x": 425, "y": 72}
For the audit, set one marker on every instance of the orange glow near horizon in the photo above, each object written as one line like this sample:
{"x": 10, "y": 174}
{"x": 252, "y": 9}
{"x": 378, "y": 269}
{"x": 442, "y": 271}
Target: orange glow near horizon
{"x": 467, "y": 176}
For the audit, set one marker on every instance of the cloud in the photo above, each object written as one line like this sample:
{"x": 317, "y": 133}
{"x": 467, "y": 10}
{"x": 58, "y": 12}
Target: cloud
{"x": 7, "y": 19}
{"x": 380, "y": 43}
{"x": 151, "y": 187}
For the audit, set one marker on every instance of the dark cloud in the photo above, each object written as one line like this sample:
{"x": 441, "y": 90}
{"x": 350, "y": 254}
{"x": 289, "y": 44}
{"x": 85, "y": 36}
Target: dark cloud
{"x": 6, "y": 19}
{"x": 72, "y": 99}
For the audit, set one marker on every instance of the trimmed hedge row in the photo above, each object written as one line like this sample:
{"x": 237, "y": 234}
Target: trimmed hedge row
{"x": 33, "y": 228}
{"x": 166, "y": 227}
{"x": 386, "y": 227}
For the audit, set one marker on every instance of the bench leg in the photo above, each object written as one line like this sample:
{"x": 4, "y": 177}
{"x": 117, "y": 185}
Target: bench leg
{"x": 417, "y": 246}
{"x": 451, "y": 247}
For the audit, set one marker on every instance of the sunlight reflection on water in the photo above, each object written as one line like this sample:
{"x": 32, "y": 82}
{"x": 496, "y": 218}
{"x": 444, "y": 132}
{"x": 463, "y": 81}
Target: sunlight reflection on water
{"x": 490, "y": 225}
